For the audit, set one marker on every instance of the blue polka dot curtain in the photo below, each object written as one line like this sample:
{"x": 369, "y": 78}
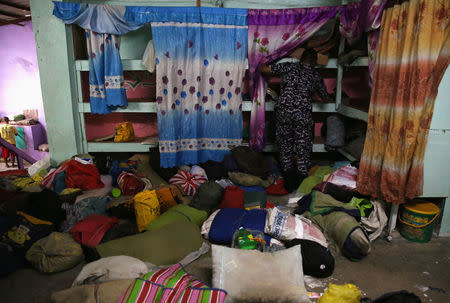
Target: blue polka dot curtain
{"x": 200, "y": 65}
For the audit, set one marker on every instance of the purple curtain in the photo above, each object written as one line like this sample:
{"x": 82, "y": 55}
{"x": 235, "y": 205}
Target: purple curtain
{"x": 273, "y": 34}
{"x": 360, "y": 17}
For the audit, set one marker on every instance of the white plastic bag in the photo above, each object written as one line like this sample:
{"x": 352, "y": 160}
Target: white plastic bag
{"x": 44, "y": 163}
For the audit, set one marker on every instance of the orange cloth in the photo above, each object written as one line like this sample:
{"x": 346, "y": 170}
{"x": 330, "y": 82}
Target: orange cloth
{"x": 412, "y": 56}
{"x": 166, "y": 197}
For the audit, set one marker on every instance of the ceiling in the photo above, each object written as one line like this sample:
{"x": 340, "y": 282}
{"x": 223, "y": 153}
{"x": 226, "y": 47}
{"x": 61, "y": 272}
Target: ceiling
{"x": 14, "y": 11}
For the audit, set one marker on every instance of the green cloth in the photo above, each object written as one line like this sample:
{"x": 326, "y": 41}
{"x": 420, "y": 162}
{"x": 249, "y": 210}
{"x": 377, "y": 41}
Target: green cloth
{"x": 178, "y": 213}
{"x": 19, "y": 117}
{"x": 308, "y": 184}
{"x": 167, "y": 245}
{"x": 248, "y": 180}
{"x": 337, "y": 225}
{"x": 362, "y": 204}
{"x": 323, "y": 203}
{"x": 322, "y": 171}
{"x": 207, "y": 197}
{"x": 20, "y": 138}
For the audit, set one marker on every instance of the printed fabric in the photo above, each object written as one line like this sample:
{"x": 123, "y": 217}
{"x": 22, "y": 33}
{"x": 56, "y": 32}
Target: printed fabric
{"x": 171, "y": 284}
{"x": 272, "y": 34}
{"x": 412, "y": 57}
{"x": 103, "y": 25}
{"x": 106, "y": 84}
{"x": 359, "y": 17}
{"x": 200, "y": 55}
{"x": 107, "y": 19}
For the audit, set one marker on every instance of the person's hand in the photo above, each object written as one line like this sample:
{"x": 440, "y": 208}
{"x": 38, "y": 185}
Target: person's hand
{"x": 265, "y": 69}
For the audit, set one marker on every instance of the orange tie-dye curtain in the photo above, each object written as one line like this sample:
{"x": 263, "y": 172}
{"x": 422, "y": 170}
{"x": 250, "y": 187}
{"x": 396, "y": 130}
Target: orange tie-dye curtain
{"x": 412, "y": 56}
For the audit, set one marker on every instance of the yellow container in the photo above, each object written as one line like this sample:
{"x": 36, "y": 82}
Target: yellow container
{"x": 417, "y": 221}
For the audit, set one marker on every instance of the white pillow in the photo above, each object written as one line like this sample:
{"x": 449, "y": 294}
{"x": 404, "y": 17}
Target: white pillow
{"x": 253, "y": 276}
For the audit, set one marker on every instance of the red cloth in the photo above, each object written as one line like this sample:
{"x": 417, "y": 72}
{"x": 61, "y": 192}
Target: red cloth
{"x": 91, "y": 229}
{"x": 277, "y": 189}
{"x": 82, "y": 176}
{"x": 13, "y": 172}
{"x": 6, "y": 153}
{"x": 233, "y": 198}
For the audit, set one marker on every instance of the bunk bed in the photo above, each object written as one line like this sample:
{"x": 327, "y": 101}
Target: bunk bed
{"x": 61, "y": 79}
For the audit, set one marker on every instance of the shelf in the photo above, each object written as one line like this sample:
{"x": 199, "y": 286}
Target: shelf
{"x": 318, "y": 146}
{"x": 140, "y": 145}
{"x": 136, "y": 147}
{"x": 127, "y": 64}
{"x": 133, "y": 107}
{"x": 150, "y": 107}
{"x": 135, "y": 64}
{"x": 354, "y": 113}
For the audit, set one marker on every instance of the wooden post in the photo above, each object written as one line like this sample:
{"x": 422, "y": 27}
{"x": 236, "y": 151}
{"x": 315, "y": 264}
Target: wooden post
{"x": 199, "y": 3}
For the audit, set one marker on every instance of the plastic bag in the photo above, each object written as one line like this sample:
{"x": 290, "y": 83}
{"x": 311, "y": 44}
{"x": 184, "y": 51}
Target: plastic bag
{"x": 44, "y": 163}
{"x": 124, "y": 132}
{"x": 347, "y": 293}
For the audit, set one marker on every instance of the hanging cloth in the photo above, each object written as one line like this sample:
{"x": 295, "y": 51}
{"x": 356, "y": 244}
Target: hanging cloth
{"x": 273, "y": 34}
{"x": 106, "y": 85}
{"x": 360, "y": 17}
{"x": 104, "y": 19}
{"x": 200, "y": 53}
{"x": 413, "y": 55}
{"x": 103, "y": 25}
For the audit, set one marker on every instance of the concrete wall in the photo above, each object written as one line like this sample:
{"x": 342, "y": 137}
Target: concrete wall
{"x": 20, "y": 87}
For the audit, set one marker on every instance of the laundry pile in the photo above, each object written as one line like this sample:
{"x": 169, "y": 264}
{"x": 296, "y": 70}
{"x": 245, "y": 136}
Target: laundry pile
{"x": 143, "y": 223}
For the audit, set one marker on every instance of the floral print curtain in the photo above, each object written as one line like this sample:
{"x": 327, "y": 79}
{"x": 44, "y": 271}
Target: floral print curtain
{"x": 413, "y": 54}
{"x": 273, "y": 34}
{"x": 360, "y": 17}
{"x": 200, "y": 65}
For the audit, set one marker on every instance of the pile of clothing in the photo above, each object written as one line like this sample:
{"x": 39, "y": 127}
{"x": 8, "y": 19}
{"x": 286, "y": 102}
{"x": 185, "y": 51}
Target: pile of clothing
{"x": 54, "y": 218}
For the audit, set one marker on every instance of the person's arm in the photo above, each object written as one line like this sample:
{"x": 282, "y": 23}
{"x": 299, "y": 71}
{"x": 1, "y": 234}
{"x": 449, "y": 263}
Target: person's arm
{"x": 15, "y": 131}
{"x": 321, "y": 89}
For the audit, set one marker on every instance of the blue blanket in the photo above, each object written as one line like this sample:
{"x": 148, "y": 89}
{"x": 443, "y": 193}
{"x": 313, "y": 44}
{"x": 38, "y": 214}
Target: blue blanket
{"x": 228, "y": 220}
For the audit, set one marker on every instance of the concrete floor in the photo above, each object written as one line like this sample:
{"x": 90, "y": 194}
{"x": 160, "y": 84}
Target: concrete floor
{"x": 391, "y": 266}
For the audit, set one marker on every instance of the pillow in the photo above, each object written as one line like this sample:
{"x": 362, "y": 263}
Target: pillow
{"x": 54, "y": 253}
{"x": 109, "y": 269}
{"x": 167, "y": 245}
{"x": 180, "y": 212}
{"x": 188, "y": 182}
{"x": 253, "y": 276}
